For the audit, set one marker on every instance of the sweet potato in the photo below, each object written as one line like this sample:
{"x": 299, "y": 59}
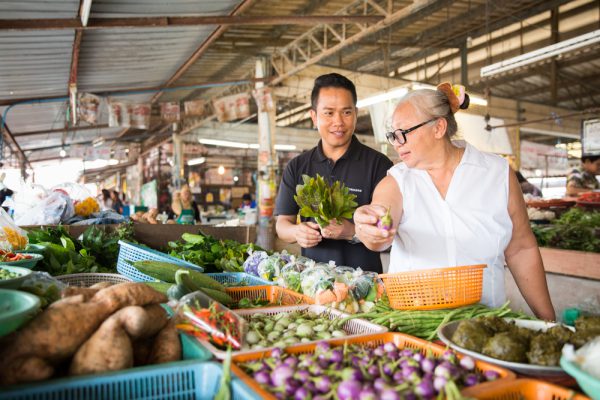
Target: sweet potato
{"x": 101, "y": 285}
{"x": 109, "y": 349}
{"x": 26, "y": 369}
{"x": 128, "y": 294}
{"x": 166, "y": 346}
{"x": 56, "y": 333}
{"x": 87, "y": 293}
{"x": 142, "y": 322}
{"x": 76, "y": 299}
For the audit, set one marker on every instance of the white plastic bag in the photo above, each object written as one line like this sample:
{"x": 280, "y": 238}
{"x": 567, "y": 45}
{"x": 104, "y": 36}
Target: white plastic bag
{"x": 55, "y": 208}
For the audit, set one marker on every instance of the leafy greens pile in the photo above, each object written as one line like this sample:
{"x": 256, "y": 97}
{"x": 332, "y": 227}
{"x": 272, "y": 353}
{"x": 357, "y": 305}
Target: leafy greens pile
{"x": 96, "y": 251}
{"x": 574, "y": 230}
{"x": 211, "y": 253}
{"x": 322, "y": 202}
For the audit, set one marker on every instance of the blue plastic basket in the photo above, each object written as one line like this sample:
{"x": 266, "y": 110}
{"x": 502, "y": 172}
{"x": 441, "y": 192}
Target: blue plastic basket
{"x": 129, "y": 252}
{"x": 235, "y": 278}
{"x": 174, "y": 381}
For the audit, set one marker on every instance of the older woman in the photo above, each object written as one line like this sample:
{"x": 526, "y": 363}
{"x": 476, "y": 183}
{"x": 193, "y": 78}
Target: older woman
{"x": 184, "y": 206}
{"x": 451, "y": 205}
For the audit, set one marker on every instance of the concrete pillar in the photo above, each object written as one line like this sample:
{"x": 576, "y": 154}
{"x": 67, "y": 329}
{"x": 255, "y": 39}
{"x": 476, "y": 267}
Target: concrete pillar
{"x": 177, "y": 168}
{"x": 267, "y": 163}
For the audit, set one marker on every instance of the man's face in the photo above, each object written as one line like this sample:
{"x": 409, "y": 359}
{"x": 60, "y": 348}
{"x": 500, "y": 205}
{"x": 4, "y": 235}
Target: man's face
{"x": 593, "y": 167}
{"x": 335, "y": 117}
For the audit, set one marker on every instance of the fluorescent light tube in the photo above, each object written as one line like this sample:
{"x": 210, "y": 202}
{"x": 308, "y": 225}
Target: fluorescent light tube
{"x": 241, "y": 145}
{"x": 392, "y": 94}
{"x": 224, "y": 143}
{"x": 285, "y": 147}
{"x": 541, "y": 54}
{"x": 196, "y": 161}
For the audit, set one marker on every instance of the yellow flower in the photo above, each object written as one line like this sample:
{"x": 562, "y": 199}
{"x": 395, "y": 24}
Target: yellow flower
{"x": 16, "y": 240}
{"x": 86, "y": 207}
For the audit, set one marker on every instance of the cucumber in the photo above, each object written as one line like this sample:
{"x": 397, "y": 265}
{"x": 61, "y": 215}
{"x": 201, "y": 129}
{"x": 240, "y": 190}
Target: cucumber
{"x": 159, "y": 286}
{"x": 165, "y": 271}
{"x": 184, "y": 278}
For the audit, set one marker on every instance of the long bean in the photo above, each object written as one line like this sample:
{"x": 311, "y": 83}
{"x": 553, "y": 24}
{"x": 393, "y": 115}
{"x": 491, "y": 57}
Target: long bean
{"x": 424, "y": 324}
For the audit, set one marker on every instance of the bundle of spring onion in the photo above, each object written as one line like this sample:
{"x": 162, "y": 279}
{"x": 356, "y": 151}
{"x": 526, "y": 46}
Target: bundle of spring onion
{"x": 424, "y": 324}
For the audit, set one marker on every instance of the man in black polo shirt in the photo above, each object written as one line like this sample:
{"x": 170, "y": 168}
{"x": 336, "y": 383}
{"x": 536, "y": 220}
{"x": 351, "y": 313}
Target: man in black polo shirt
{"x": 339, "y": 156}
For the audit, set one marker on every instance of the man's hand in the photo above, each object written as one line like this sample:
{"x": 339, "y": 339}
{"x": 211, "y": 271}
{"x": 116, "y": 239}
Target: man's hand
{"x": 307, "y": 234}
{"x": 335, "y": 230}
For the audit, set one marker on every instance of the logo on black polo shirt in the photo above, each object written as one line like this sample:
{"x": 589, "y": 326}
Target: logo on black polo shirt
{"x": 354, "y": 190}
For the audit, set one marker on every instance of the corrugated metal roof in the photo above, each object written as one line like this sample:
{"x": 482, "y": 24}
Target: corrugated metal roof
{"x": 35, "y": 63}
{"x": 30, "y": 9}
{"x": 36, "y": 117}
{"x": 130, "y": 58}
{"x": 151, "y": 8}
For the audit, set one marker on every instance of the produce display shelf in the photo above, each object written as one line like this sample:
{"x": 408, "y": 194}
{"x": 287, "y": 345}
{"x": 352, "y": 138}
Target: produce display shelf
{"x": 275, "y": 295}
{"x": 354, "y": 327}
{"x": 523, "y": 389}
{"x": 131, "y": 252}
{"x": 399, "y": 339}
{"x": 239, "y": 279}
{"x": 184, "y": 380}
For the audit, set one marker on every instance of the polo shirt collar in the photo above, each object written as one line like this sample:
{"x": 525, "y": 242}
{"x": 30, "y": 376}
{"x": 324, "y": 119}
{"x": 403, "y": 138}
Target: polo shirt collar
{"x": 353, "y": 152}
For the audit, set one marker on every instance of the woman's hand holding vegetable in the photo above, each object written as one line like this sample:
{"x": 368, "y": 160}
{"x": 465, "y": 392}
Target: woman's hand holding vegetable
{"x": 374, "y": 237}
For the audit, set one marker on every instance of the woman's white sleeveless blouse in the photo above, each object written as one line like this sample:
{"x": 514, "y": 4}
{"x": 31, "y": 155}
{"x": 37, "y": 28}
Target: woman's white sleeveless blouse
{"x": 470, "y": 226}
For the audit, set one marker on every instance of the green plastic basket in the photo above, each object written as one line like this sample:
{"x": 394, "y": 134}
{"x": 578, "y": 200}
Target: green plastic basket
{"x": 28, "y": 263}
{"x": 184, "y": 380}
{"x": 589, "y": 384}
{"x": 16, "y": 308}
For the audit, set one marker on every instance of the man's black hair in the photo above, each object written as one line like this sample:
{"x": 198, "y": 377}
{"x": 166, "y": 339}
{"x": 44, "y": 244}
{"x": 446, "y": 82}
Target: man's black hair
{"x": 331, "y": 80}
{"x": 590, "y": 158}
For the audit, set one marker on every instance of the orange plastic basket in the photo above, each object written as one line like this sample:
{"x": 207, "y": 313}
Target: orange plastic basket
{"x": 523, "y": 389}
{"x": 275, "y": 295}
{"x": 399, "y": 339}
{"x": 431, "y": 289}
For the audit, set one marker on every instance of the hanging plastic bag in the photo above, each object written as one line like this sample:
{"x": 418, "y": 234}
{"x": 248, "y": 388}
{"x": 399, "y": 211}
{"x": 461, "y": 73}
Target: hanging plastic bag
{"x": 205, "y": 318}
{"x": 11, "y": 236}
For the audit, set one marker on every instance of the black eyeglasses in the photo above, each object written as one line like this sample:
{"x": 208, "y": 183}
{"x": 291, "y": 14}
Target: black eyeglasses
{"x": 399, "y": 135}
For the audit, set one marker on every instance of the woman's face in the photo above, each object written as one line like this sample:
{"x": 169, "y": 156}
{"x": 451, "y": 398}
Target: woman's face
{"x": 414, "y": 153}
{"x": 186, "y": 194}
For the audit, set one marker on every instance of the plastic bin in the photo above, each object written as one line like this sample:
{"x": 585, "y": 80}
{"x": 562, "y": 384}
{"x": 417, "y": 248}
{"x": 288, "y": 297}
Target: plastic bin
{"x": 354, "y": 327}
{"x": 135, "y": 252}
{"x": 239, "y": 279}
{"x": 523, "y": 389}
{"x": 275, "y": 295}
{"x": 174, "y": 381}
{"x": 401, "y": 340}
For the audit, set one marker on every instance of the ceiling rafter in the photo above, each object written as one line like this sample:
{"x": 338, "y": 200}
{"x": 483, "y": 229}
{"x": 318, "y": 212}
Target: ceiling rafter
{"x": 433, "y": 39}
{"x": 154, "y": 22}
{"x": 334, "y": 38}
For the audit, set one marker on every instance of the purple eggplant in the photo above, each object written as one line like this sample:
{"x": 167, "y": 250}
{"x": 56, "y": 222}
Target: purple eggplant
{"x": 385, "y": 222}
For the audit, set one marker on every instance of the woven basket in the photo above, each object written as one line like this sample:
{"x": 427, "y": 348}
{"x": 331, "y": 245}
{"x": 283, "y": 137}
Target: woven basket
{"x": 431, "y": 289}
{"x": 87, "y": 280}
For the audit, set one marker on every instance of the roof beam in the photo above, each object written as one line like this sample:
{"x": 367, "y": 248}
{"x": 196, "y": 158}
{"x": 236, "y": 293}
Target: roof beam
{"x": 291, "y": 60}
{"x": 224, "y": 20}
{"x": 444, "y": 39}
{"x": 60, "y": 130}
{"x": 243, "y": 6}
{"x": 8, "y": 133}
